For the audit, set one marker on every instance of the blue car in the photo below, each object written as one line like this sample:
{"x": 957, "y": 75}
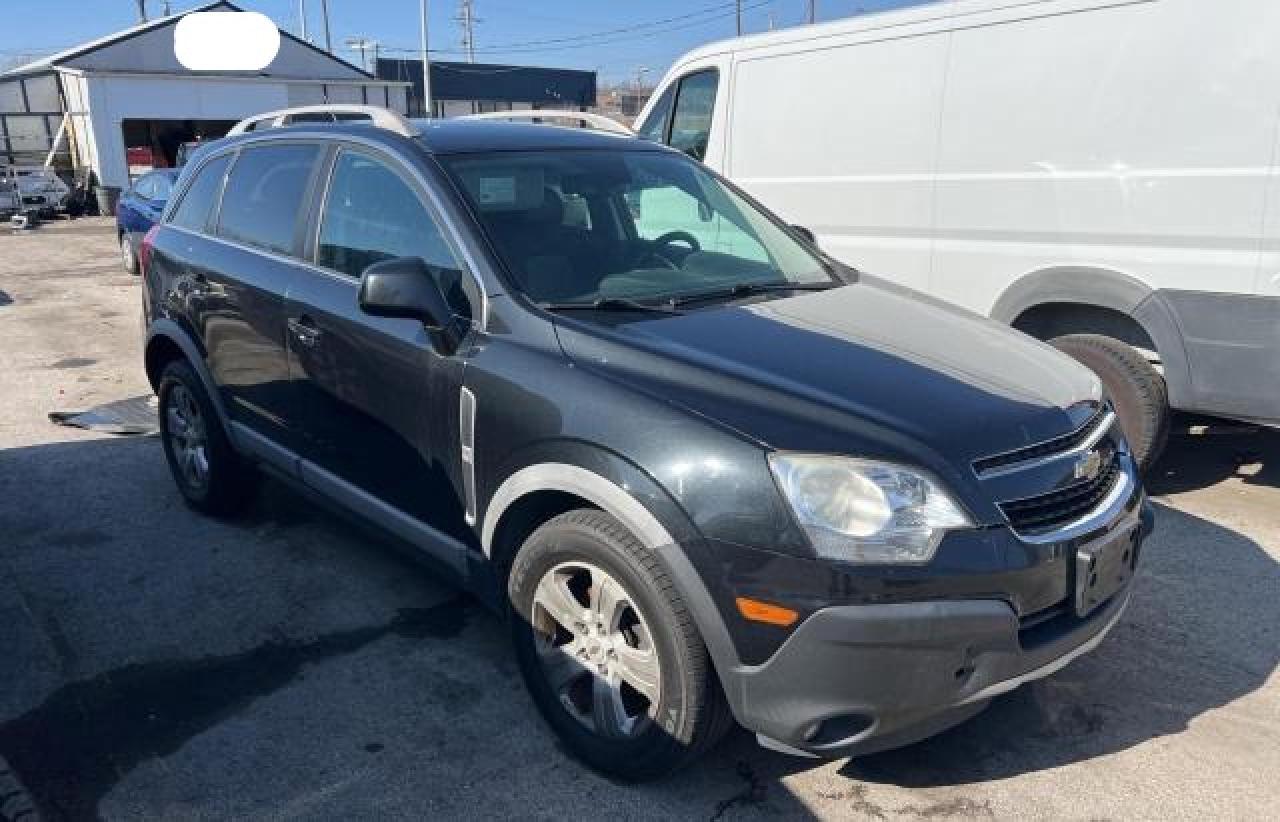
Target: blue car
{"x": 140, "y": 208}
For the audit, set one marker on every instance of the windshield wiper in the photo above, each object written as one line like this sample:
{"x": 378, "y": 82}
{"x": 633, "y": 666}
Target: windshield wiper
{"x": 611, "y": 304}
{"x": 747, "y": 290}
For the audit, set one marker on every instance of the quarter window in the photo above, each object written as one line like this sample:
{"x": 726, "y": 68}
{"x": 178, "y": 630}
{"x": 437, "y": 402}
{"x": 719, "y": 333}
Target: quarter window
{"x": 655, "y": 128}
{"x": 161, "y": 187}
{"x": 371, "y": 214}
{"x": 264, "y": 196}
{"x": 691, "y": 121}
{"x": 197, "y": 204}
{"x": 145, "y": 187}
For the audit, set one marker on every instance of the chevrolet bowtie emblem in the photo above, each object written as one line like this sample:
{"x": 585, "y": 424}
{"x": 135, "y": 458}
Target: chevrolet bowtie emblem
{"x": 1089, "y": 466}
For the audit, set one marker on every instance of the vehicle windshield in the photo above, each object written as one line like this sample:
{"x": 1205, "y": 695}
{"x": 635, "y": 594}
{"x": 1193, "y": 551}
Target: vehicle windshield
{"x": 581, "y": 227}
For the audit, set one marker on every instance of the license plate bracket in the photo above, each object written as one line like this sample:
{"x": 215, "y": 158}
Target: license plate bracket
{"x": 1104, "y": 567}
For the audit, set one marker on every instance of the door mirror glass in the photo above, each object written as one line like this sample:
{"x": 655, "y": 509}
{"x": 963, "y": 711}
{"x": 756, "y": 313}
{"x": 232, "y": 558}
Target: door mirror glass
{"x": 404, "y": 287}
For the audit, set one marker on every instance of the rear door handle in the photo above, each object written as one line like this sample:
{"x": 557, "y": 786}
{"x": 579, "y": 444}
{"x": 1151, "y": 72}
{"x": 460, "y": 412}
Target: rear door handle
{"x": 304, "y": 331}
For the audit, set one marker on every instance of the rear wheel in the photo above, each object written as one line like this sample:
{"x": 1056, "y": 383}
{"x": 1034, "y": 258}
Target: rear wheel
{"x": 210, "y": 475}
{"x": 609, "y": 651}
{"x": 128, "y": 257}
{"x": 1136, "y": 389}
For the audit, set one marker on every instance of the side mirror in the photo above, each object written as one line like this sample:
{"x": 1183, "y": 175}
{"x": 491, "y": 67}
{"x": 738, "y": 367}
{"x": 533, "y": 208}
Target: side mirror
{"x": 704, "y": 212}
{"x": 405, "y": 287}
{"x": 805, "y": 234}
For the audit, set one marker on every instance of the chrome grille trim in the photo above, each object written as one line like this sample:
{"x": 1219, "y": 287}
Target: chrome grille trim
{"x": 1106, "y": 511}
{"x": 1094, "y": 430}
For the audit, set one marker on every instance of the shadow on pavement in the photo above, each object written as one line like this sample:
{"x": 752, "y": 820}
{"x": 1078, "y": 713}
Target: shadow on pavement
{"x": 1204, "y": 451}
{"x": 146, "y": 636}
{"x": 1203, "y": 631}
{"x": 171, "y": 664}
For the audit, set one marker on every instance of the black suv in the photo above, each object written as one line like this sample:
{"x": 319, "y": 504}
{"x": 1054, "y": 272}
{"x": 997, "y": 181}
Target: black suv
{"x": 708, "y": 473}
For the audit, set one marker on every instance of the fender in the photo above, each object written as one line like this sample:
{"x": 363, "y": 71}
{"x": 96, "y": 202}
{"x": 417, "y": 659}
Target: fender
{"x": 623, "y": 504}
{"x": 176, "y": 334}
{"x": 1106, "y": 288}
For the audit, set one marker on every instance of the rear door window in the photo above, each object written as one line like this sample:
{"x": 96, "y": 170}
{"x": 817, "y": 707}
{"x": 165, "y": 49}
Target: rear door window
{"x": 373, "y": 214}
{"x": 691, "y": 120}
{"x": 264, "y": 194}
{"x": 202, "y": 194}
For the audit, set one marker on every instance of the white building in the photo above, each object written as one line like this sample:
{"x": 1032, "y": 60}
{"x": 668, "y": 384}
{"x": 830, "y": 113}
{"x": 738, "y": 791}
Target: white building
{"x": 124, "y": 100}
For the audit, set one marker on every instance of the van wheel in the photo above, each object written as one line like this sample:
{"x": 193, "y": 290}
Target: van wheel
{"x": 609, "y": 651}
{"x": 212, "y": 478}
{"x": 1136, "y": 389}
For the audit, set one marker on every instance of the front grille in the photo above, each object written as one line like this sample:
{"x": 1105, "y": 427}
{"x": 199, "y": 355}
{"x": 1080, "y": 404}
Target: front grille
{"x": 1047, "y": 448}
{"x": 1048, "y": 511}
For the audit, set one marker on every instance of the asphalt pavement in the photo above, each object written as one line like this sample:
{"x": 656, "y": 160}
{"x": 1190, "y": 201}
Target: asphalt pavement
{"x": 156, "y": 664}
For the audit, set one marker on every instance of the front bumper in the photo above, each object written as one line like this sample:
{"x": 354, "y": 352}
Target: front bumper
{"x": 856, "y": 679}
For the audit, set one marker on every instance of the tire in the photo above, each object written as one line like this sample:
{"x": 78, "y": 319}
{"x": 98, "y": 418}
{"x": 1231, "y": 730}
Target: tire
{"x": 128, "y": 257}
{"x": 210, "y": 475}
{"x": 689, "y": 714}
{"x": 1136, "y": 389}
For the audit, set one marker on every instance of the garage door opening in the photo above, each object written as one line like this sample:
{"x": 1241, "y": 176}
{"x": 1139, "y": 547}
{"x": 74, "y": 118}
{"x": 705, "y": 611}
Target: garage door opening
{"x": 152, "y": 144}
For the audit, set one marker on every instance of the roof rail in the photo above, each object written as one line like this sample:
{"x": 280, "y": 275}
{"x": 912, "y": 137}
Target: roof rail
{"x": 381, "y": 117}
{"x": 594, "y": 120}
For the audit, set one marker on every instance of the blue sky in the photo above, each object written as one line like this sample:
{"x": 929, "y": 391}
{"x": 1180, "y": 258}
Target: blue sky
{"x": 45, "y": 26}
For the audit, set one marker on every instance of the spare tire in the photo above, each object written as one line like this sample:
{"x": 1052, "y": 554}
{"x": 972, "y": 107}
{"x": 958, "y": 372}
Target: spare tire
{"x": 1136, "y": 389}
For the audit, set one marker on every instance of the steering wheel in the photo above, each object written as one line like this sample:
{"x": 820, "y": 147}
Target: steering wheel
{"x": 670, "y": 237}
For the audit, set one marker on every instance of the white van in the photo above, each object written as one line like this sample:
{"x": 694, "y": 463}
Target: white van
{"x": 1102, "y": 175}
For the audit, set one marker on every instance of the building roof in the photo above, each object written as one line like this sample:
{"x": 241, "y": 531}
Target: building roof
{"x": 68, "y": 56}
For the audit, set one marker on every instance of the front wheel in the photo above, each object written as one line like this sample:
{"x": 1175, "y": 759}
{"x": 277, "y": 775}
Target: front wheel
{"x": 1136, "y": 389}
{"x": 609, "y": 651}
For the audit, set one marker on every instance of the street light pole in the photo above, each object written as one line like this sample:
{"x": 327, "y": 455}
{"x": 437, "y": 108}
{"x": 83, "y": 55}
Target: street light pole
{"x": 738, "y": 6}
{"x": 426, "y": 63}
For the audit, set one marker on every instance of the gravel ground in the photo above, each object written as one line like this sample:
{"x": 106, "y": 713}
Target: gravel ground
{"x": 157, "y": 664}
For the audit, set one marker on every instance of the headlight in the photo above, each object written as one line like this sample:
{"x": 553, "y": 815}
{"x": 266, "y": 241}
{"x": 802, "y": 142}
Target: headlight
{"x": 865, "y": 511}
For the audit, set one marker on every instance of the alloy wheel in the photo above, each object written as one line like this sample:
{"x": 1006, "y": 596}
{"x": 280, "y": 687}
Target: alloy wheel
{"x": 188, "y": 437}
{"x": 126, "y": 252}
{"x": 596, "y": 650}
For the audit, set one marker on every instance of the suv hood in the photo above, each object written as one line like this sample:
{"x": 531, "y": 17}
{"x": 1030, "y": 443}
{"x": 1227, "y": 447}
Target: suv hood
{"x": 869, "y": 368}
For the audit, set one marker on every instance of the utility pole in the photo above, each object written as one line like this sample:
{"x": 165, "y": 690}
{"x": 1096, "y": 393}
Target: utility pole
{"x": 467, "y": 18}
{"x": 142, "y": 10}
{"x": 426, "y": 63}
{"x": 813, "y": 11}
{"x": 738, "y": 7}
{"x": 302, "y": 18}
{"x": 324, "y": 14}
{"x": 364, "y": 45}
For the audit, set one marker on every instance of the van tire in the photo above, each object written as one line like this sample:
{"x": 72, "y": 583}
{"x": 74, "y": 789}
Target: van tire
{"x": 1136, "y": 389}
{"x": 693, "y": 714}
{"x": 229, "y": 482}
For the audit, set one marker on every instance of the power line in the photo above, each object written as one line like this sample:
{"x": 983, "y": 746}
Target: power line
{"x": 592, "y": 40}
{"x": 719, "y": 7}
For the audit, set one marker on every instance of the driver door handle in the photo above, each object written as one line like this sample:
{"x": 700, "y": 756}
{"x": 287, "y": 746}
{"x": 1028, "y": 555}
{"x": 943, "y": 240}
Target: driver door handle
{"x": 304, "y": 331}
